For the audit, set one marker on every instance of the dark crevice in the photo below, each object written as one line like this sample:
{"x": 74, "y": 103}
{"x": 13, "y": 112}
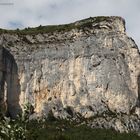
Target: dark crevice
{"x": 107, "y": 87}
{"x": 138, "y": 80}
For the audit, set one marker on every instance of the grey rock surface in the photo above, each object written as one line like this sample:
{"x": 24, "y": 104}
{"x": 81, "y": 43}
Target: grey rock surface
{"x": 92, "y": 71}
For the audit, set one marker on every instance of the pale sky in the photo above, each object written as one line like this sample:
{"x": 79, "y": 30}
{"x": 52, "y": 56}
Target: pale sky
{"x": 31, "y": 13}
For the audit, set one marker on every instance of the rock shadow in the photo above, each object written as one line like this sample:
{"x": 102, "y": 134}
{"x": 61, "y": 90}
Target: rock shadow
{"x": 9, "y": 84}
{"x": 138, "y": 102}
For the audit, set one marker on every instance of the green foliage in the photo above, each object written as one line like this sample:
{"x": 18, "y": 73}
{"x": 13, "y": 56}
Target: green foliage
{"x": 28, "y": 110}
{"x": 12, "y": 130}
{"x": 15, "y": 129}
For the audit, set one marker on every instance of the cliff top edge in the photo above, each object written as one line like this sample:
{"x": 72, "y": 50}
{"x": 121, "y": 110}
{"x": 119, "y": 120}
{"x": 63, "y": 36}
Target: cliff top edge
{"x": 113, "y": 23}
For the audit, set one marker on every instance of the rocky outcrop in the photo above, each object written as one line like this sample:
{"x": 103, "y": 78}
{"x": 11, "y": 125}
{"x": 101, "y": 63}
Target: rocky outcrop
{"x": 88, "y": 69}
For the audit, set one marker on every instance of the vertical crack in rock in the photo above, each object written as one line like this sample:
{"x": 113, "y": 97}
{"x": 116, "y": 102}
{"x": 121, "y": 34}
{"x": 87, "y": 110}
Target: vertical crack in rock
{"x": 138, "y": 90}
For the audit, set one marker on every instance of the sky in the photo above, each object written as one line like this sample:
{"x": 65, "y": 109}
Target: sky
{"x": 31, "y": 13}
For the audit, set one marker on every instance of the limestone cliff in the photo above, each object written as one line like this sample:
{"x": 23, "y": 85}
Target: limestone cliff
{"x": 89, "y": 68}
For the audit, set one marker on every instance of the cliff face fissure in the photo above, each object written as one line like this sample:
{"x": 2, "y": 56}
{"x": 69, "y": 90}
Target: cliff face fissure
{"x": 139, "y": 90}
{"x": 89, "y": 67}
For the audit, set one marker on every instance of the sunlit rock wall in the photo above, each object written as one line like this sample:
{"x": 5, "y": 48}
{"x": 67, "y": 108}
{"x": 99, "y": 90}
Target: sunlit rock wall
{"x": 92, "y": 71}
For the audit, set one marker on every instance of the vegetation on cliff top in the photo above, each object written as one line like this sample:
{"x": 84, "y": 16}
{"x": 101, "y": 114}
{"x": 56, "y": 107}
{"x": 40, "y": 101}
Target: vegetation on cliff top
{"x": 58, "y": 28}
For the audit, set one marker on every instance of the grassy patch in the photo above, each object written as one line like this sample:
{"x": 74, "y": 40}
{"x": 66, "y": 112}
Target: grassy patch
{"x": 63, "y": 130}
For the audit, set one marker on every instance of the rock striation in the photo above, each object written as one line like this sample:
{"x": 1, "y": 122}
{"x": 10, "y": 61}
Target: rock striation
{"x": 89, "y": 69}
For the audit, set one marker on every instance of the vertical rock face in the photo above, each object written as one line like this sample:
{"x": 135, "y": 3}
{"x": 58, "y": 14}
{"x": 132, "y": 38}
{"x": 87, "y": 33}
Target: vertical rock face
{"x": 90, "y": 67}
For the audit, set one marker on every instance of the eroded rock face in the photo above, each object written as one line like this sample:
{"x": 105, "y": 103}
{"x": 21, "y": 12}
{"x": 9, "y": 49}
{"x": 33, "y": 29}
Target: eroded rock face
{"x": 92, "y": 71}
